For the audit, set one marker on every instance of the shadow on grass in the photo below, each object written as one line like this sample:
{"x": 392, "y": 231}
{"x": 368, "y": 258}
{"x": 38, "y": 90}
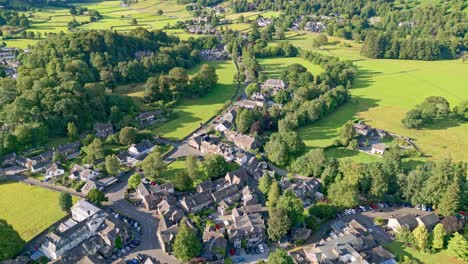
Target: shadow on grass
{"x": 364, "y": 78}
{"x": 399, "y": 250}
{"x": 442, "y": 124}
{"x": 11, "y": 242}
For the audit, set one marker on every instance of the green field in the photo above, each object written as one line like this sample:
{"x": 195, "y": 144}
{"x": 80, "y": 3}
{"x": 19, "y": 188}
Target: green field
{"x": 424, "y": 258}
{"x": 29, "y": 209}
{"x": 272, "y": 67}
{"x": 191, "y": 112}
{"x": 386, "y": 89}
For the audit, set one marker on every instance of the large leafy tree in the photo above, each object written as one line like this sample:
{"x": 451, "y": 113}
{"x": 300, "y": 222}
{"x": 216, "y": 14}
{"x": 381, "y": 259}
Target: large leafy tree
{"x": 215, "y": 166}
{"x": 273, "y": 194}
{"x": 96, "y": 196}
{"x": 343, "y": 194}
{"x": 153, "y": 164}
{"x": 94, "y": 151}
{"x": 186, "y": 243}
{"x": 421, "y": 238}
{"x": 450, "y": 202}
{"x": 458, "y": 247}
{"x": 438, "y": 240}
{"x": 65, "y": 202}
{"x": 127, "y": 135}
{"x": 264, "y": 183}
{"x": 134, "y": 181}
{"x": 293, "y": 206}
{"x": 279, "y": 256}
{"x": 112, "y": 164}
{"x": 279, "y": 223}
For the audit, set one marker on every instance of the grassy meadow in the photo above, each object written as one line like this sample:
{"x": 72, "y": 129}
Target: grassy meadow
{"x": 273, "y": 67}
{"x": 191, "y": 112}
{"x": 29, "y": 209}
{"x": 386, "y": 89}
{"x": 401, "y": 251}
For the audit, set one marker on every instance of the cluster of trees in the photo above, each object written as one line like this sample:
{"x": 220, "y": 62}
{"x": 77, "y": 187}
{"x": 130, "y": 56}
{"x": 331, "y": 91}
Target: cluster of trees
{"x": 440, "y": 183}
{"x": 284, "y": 146}
{"x": 390, "y": 29}
{"x": 66, "y": 78}
{"x": 13, "y": 18}
{"x": 176, "y": 84}
{"x": 426, "y": 241}
{"x": 430, "y": 109}
{"x": 380, "y": 45}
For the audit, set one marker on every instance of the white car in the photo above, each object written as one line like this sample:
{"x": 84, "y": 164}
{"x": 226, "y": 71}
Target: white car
{"x": 260, "y": 247}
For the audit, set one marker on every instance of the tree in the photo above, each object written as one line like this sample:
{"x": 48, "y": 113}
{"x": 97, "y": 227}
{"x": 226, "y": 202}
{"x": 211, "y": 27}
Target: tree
{"x": 182, "y": 181}
{"x": 273, "y": 194}
{"x": 118, "y": 242}
{"x": 404, "y": 235}
{"x": 215, "y": 166}
{"x": 310, "y": 164}
{"x": 278, "y": 223}
{"x": 134, "y": 22}
{"x": 127, "y": 135}
{"x": 112, "y": 164}
{"x": 153, "y": 164}
{"x": 279, "y": 256}
{"x": 439, "y": 237}
{"x": 323, "y": 210}
{"x": 462, "y": 110}
{"x": 421, "y": 238}
{"x": 244, "y": 120}
{"x": 58, "y": 157}
{"x": 134, "y": 181}
{"x": 72, "y": 131}
{"x": 264, "y": 183}
{"x": 347, "y": 133}
{"x": 251, "y": 88}
{"x": 343, "y": 194}
{"x": 320, "y": 41}
{"x": 379, "y": 186}
{"x": 186, "y": 243}
{"x": 450, "y": 202}
{"x": 65, "y": 202}
{"x": 413, "y": 119}
{"x": 96, "y": 196}
{"x": 94, "y": 150}
{"x": 11, "y": 242}
{"x": 159, "y": 12}
{"x": 458, "y": 247}
{"x": 191, "y": 165}
{"x": 293, "y": 206}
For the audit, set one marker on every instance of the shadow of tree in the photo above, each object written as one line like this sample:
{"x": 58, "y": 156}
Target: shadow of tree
{"x": 11, "y": 242}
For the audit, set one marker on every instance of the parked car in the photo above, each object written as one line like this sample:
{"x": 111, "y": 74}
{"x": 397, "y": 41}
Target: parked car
{"x": 261, "y": 248}
{"x": 239, "y": 259}
{"x": 362, "y": 208}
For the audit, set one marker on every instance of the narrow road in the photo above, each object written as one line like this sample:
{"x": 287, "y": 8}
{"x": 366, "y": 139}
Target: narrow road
{"x": 32, "y": 181}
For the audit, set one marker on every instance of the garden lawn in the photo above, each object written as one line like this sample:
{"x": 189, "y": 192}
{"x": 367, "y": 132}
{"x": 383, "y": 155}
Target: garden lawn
{"x": 400, "y": 251}
{"x": 171, "y": 170}
{"x": 29, "y": 209}
{"x": 191, "y": 112}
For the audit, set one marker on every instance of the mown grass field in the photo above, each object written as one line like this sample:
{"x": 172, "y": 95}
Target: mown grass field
{"x": 191, "y": 112}
{"x": 29, "y": 209}
{"x": 401, "y": 251}
{"x": 386, "y": 89}
{"x": 171, "y": 170}
{"x": 273, "y": 67}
